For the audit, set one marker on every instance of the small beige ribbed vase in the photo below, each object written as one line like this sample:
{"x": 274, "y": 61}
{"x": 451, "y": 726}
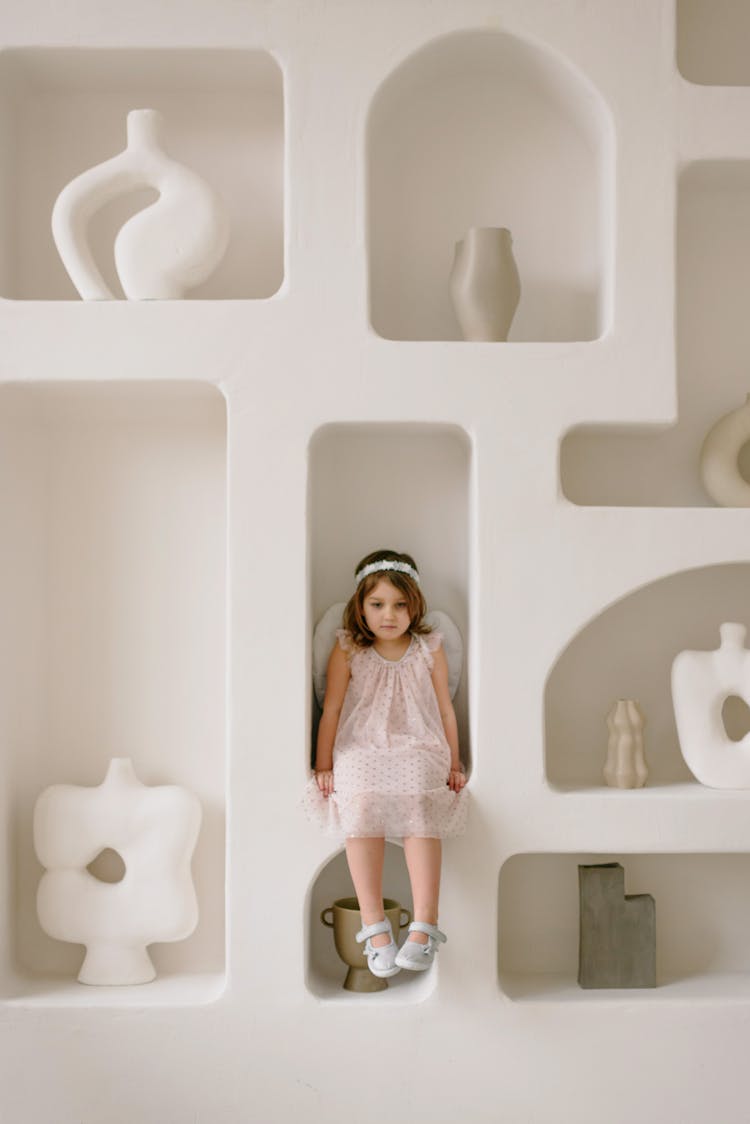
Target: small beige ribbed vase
{"x": 626, "y": 762}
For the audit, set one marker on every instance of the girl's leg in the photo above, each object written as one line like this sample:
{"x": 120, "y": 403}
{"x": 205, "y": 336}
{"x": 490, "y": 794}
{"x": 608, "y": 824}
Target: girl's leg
{"x": 423, "y": 857}
{"x": 365, "y": 858}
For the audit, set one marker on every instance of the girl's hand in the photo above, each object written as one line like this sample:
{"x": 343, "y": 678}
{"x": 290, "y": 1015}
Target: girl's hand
{"x": 324, "y": 777}
{"x": 456, "y": 779}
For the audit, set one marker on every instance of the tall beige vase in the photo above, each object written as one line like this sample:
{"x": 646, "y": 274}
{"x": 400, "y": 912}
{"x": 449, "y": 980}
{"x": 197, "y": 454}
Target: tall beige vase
{"x": 626, "y": 761}
{"x": 484, "y": 283}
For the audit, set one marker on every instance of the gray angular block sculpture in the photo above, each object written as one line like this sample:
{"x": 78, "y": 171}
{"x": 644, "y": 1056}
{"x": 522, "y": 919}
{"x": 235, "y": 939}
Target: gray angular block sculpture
{"x": 618, "y": 931}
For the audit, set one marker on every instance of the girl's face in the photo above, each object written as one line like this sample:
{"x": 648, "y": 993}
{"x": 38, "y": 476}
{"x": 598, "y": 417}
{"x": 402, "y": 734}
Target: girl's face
{"x": 386, "y": 611}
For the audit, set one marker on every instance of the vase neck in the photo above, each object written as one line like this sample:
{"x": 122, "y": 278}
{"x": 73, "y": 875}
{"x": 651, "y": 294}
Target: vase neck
{"x": 121, "y": 773}
{"x": 144, "y": 128}
{"x": 733, "y": 635}
{"x": 488, "y": 234}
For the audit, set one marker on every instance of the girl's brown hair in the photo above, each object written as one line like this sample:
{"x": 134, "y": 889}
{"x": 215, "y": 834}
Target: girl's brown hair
{"x": 354, "y": 614}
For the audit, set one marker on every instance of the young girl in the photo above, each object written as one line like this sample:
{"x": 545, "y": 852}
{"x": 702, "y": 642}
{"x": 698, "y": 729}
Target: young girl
{"x": 387, "y": 761}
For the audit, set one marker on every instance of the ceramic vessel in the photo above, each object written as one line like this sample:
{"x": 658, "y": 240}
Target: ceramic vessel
{"x": 701, "y": 684}
{"x": 346, "y": 921}
{"x": 719, "y": 460}
{"x": 626, "y": 762}
{"x": 484, "y": 283}
{"x": 171, "y": 246}
{"x": 153, "y": 830}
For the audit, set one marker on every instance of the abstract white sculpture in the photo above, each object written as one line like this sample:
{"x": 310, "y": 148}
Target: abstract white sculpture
{"x": 165, "y": 249}
{"x": 701, "y": 684}
{"x": 154, "y": 830}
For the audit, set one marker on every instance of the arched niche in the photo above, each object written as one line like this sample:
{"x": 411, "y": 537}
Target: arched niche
{"x": 481, "y": 128}
{"x": 627, "y": 652}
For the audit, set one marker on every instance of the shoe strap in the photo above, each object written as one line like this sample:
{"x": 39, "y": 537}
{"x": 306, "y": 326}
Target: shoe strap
{"x": 373, "y": 930}
{"x": 430, "y": 930}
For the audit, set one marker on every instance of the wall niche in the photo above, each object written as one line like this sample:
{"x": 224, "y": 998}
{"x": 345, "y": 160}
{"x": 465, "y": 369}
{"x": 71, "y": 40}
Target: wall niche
{"x": 486, "y": 129}
{"x": 113, "y": 506}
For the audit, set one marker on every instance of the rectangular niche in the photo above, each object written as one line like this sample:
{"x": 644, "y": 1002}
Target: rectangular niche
{"x": 702, "y": 918}
{"x": 64, "y": 111}
{"x": 403, "y": 487}
{"x": 627, "y": 652}
{"x": 712, "y": 39}
{"x": 113, "y": 508}
{"x": 656, "y": 466}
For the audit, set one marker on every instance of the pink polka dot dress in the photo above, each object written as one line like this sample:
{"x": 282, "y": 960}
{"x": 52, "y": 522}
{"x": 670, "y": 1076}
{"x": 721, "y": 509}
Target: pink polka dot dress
{"x": 391, "y": 759}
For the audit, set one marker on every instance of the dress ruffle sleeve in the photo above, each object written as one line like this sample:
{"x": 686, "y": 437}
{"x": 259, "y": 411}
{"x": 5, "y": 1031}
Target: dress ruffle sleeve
{"x": 430, "y": 644}
{"x": 345, "y": 642}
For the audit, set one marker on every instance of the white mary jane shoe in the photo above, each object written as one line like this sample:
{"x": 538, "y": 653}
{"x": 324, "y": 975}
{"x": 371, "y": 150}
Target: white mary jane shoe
{"x": 418, "y": 957}
{"x": 381, "y": 961}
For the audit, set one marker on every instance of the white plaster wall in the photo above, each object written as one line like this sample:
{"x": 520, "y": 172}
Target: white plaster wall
{"x": 270, "y": 1047}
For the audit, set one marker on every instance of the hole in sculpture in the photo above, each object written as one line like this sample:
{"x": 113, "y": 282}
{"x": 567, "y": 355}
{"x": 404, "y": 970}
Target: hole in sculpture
{"x": 108, "y": 866}
{"x": 735, "y": 714}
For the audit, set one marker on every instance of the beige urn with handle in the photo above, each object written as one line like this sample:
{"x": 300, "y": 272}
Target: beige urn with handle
{"x": 345, "y": 919}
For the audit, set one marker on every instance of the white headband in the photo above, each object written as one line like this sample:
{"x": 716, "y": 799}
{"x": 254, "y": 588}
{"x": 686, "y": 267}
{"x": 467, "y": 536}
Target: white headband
{"x": 376, "y": 567}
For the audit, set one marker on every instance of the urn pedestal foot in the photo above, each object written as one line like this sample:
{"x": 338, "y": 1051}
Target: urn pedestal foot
{"x": 345, "y": 919}
{"x": 116, "y": 965}
{"x": 362, "y": 979}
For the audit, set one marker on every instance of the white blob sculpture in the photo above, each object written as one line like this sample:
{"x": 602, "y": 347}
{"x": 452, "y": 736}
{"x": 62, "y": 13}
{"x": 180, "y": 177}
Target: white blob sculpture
{"x": 719, "y": 461}
{"x": 171, "y": 246}
{"x": 153, "y": 830}
{"x": 701, "y": 684}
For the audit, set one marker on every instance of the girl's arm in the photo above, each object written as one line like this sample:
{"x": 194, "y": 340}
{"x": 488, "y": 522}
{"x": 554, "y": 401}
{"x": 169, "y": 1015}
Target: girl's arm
{"x": 337, "y": 681}
{"x": 457, "y": 778}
